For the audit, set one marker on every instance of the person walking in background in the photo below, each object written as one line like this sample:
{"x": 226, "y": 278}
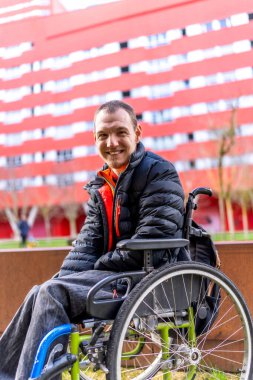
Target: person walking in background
{"x": 24, "y": 228}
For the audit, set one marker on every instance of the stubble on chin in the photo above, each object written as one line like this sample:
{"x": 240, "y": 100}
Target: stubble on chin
{"x": 114, "y": 164}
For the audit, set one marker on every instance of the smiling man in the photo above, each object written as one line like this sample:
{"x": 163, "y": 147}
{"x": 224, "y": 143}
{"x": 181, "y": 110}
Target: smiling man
{"x": 137, "y": 194}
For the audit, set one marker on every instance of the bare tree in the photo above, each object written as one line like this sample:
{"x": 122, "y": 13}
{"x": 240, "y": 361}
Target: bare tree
{"x": 62, "y": 194}
{"x": 244, "y": 199}
{"x": 15, "y": 202}
{"x": 225, "y": 145}
{"x": 46, "y": 212}
{"x": 71, "y": 212}
{"x": 242, "y": 193}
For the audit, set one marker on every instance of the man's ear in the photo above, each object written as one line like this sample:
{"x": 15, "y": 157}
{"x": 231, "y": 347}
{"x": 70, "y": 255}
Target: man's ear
{"x": 138, "y": 133}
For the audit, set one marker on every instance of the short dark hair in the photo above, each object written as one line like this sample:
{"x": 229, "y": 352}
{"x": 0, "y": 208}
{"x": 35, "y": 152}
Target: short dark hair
{"x": 113, "y": 106}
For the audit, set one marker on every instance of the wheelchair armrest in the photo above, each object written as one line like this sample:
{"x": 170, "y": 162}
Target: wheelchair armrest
{"x": 149, "y": 244}
{"x": 108, "y": 308}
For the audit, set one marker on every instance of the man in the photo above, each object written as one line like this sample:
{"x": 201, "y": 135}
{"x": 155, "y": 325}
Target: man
{"x": 24, "y": 228}
{"x": 137, "y": 194}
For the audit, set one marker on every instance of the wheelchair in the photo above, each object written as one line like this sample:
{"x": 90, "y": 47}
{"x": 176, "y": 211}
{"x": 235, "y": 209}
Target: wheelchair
{"x": 184, "y": 320}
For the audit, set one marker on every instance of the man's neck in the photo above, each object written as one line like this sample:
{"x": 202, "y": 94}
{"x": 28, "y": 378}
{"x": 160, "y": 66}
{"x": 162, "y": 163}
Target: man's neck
{"x": 116, "y": 172}
{"x": 119, "y": 170}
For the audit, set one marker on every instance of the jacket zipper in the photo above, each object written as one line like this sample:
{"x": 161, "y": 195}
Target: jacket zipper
{"x": 109, "y": 221}
{"x": 116, "y": 205}
{"x": 117, "y": 215}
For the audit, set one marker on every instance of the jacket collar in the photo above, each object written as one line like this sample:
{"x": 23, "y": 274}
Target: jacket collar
{"x": 137, "y": 156}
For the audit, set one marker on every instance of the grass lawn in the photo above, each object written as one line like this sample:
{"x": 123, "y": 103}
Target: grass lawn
{"x": 237, "y": 236}
{"x": 57, "y": 242}
{"x": 63, "y": 242}
{"x": 180, "y": 376}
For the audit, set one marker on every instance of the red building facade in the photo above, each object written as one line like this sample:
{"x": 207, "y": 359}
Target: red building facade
{"x": 186, "y": 68}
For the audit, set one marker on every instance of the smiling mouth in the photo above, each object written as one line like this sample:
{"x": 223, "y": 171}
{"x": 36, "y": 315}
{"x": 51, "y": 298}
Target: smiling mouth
{"x": 115, "y": 153}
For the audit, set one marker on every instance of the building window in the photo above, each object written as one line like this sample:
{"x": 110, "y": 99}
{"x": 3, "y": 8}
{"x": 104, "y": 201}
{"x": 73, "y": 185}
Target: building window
{"x": 126, "y": 94}
{"x": 190, "y": 137}
{"x": 15, "y": 51}
{"x": 187, "y": 83}
{"x": 123, "y": 45}
{"x": 65, "y": 180}
{"x": 64, "y": 155}
{"x": 14, "y": 185}
{"x": 60, "y": 62}
{"x": 12, "y": 139}
{"x": 62, "y": 108}
{"x": 13, "y": 161}
{"x": 59, "y": 85}
{"x": 124, "y": 69}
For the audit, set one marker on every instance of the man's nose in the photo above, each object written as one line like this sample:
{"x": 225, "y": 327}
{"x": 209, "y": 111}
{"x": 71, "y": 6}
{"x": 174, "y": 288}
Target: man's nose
{"x": 112, "y": 140}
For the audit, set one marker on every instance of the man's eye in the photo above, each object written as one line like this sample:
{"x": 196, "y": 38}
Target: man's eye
{"x": 102, "y": 136}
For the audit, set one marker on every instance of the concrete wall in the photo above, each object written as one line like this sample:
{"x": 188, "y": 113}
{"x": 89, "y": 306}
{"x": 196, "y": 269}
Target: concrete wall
{"x": 21, "y": 269}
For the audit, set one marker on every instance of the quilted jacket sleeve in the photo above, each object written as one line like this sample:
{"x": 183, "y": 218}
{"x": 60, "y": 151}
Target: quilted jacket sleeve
{"x": 88, "y": 245}
{"x": 160, "y": 215}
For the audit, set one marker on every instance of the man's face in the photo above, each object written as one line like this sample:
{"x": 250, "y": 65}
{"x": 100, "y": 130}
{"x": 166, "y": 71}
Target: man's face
{"x": 115, "y": 137}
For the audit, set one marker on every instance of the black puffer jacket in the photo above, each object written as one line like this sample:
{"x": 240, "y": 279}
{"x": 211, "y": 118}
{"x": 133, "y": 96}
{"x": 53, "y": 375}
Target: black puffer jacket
{"x": 152, "y": 204}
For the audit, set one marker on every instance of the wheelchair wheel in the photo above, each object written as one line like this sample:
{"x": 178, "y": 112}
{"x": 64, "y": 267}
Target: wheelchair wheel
{"x": 182, "y": 321}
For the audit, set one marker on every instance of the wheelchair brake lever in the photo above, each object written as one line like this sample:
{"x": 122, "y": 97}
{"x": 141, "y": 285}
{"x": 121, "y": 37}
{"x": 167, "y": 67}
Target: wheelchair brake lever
{"x": 97, "y": 333}
{"x": 57, "y": 349}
